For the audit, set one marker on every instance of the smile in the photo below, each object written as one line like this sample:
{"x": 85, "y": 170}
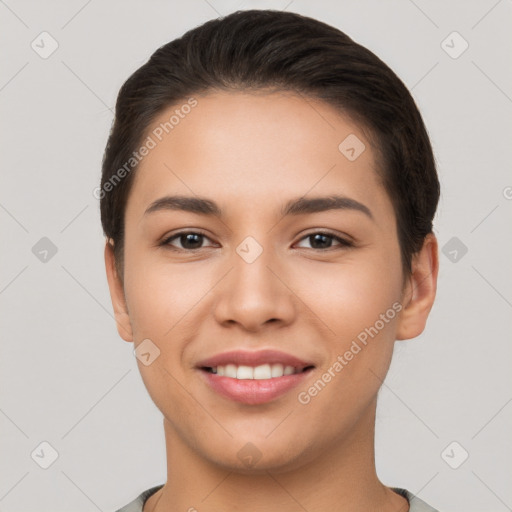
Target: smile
{"x": 261, "y": 372}
{"x": 253, "y": 378}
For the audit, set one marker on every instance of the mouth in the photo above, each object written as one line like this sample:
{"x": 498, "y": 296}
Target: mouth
{"x": 261, "y": 372}
{"x": 254, "y": 377}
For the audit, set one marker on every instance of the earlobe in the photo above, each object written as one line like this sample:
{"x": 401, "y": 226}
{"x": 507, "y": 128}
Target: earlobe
{"x": 117, "y": 295}
{"x": 420, "y": 292}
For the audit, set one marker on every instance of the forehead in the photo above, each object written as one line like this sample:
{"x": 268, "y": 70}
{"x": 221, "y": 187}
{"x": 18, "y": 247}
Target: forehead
{"x": 263, "y": 147}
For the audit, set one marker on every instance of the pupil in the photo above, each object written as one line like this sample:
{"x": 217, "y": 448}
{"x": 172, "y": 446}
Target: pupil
{"x": 189, "y": 239}
{"x": 319, "y": 237}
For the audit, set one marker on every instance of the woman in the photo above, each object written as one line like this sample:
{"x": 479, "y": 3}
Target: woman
{"x": 267, "y": 195}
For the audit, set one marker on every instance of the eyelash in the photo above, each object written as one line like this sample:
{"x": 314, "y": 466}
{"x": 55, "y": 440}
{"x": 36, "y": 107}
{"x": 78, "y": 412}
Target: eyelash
{"x": 343, "y": 243}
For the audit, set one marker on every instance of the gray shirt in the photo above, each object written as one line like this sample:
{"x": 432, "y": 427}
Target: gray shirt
{"x": 415, "y": 504}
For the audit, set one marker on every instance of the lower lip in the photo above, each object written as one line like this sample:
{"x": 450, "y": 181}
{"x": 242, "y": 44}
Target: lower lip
{"x": 254, "y": 391}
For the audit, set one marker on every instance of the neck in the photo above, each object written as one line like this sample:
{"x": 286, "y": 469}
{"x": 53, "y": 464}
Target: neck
{"x": 341, "y": 478}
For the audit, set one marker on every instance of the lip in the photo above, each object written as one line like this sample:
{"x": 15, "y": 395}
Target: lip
{"x": 253, "y": 391}
{"x": 248, "y": 358}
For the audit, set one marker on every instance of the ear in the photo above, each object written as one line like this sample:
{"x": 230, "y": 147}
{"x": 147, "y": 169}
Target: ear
{"x": 117, "y": 296}
{"x": 420, "y": 290}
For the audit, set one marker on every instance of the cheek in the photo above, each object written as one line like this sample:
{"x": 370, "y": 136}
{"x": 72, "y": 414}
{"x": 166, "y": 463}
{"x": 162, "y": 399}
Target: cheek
{"x": 351, "y": 295}
{"x": 160, "y": 295}
{"x": 359, "y": 305}
{"x": 162, "y": 299}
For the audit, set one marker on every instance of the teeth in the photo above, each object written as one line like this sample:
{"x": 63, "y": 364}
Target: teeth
{"x": 264, "y": 371}
{"x": 244, "y": 372}
{"x": 277, "y": 370}
{"x": 289, "y": 370}
{"x": 230, "y": 371}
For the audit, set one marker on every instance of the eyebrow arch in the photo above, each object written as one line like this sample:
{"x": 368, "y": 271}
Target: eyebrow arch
{"x": 198, "y": 205}
{"x": 300, "y": 206}
{"x": 320, "y": 204}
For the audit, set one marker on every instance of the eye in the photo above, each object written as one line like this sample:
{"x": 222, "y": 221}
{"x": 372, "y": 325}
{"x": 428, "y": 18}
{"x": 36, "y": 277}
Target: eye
{"x": 323, "y": 240}
{"x": 189, "y": 240}
{"x": 193, "y": 240}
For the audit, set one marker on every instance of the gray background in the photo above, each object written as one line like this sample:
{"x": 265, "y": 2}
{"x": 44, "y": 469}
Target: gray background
{"x": 67, "y": 378}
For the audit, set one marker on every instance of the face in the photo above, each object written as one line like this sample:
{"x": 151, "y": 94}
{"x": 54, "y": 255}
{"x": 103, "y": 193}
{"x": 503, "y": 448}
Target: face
{"x": 264, "y": 273}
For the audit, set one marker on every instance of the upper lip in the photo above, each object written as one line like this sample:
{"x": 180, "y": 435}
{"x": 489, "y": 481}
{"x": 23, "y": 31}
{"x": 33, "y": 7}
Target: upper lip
{"x": 253, "y": 358}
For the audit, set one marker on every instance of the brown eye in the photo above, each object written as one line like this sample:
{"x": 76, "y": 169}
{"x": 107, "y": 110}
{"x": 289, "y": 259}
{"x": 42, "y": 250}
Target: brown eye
{"x": 322, "y": 240}
{"x": 189, "y": 240}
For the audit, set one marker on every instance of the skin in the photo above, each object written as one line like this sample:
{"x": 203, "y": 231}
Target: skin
{"x": 251, "y": 153}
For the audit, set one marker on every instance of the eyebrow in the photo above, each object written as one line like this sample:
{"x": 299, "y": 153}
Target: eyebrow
{"x": 300, "y": 206}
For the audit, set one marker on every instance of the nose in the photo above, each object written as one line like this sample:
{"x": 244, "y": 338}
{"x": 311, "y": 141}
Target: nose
{"x": 254, "y": 294}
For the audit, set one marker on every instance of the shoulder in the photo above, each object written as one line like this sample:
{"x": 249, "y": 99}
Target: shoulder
{"x": 415, "y": 503}
{"x": 137, "y": 504}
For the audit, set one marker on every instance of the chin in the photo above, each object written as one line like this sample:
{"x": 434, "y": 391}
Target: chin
{"x": 254, "y": 457}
